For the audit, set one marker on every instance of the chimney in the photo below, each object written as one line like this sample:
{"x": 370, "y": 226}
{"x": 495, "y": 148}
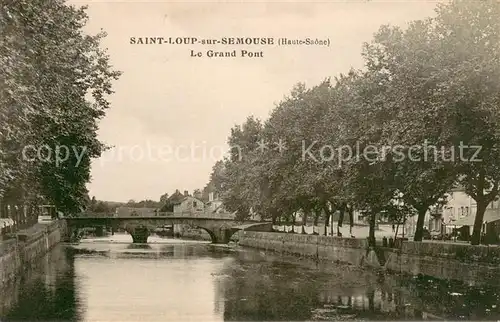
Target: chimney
{"x": 186, "y": 193}
{"x": 211, "y": 196}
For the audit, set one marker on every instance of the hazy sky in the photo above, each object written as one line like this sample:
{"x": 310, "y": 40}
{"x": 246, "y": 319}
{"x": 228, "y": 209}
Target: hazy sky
{"x": 166, "y": 99}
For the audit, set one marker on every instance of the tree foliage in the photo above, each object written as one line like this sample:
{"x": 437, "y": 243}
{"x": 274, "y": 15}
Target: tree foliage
{"x": 55, "y": 80}
{"x": 392, "y": 131}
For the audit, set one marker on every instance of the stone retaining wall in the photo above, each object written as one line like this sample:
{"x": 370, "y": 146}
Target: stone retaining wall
{"x": 29, "y": 245}
{"x": 348, "y": 250}
{"x": 470, "y": 264}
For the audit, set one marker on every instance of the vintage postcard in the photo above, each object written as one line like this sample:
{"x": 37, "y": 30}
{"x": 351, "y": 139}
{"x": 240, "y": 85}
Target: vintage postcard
{"x": 249, "y": 160}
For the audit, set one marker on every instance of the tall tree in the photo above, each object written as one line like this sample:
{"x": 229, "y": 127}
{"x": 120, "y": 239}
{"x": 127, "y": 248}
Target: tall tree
{"x": 164, "y": 198}
{"x": 442, "y": 75}
{"x": 238, "y": 192}
{"x": 49, "y": 69}
{"x": 470, "y": 54}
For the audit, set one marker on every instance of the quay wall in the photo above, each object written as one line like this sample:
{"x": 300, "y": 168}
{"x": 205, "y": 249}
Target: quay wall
{"x": 471, "y": 264}
{"x": 347, "y": 250}
{"x": 463, "y": 262}
{"x": 19, "y": 253}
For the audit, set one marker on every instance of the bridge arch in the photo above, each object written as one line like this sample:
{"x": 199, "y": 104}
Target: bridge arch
{"x": 212, "y": 235}
{"x": 218, "y": 235}
{"x": 141, "y": 231}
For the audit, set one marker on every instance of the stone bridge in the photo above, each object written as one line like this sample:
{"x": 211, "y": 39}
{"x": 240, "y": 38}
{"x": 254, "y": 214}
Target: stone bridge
{"x": 220, "y": 227}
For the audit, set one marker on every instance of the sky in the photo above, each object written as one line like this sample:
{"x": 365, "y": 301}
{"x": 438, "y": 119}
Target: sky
{"x": 171, "y": 114}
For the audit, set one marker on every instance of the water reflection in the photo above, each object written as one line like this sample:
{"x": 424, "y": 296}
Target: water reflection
{"x": 46, "y": 291}
{"x": 139, "y": 246}
{"x": 188, "y": 281}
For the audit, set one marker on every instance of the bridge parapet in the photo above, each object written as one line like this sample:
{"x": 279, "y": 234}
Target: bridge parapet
{"x": 206, "y": 215}
{"x": 94, "y": 215}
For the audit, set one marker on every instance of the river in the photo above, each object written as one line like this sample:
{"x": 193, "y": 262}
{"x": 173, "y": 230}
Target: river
{"x": 111, "y": 279}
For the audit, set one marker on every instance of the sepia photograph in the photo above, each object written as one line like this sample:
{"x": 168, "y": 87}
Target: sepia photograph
{"x": 167, "y": 160}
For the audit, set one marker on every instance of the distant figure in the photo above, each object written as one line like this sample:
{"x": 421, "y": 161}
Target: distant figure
{"x": 393, "y": 227}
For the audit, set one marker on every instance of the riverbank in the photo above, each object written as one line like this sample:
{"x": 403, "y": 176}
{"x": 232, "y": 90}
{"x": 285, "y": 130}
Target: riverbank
{"x": 85, "y": 282}
{"x": 462, "y": 262}
{"x": 20, "y": 252}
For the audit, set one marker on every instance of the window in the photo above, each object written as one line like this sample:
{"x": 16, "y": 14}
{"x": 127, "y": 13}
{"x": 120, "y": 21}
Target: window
{"x": 194, "y": 204}
{"x": 466, "y": 211}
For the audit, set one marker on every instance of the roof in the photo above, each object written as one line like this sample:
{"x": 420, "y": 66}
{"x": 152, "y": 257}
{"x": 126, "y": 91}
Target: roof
{"x": 490, "y": 215}
{"x": 129, "y": 210}
{"x": 221, "y": 207}
{"x": 184, "y": 199}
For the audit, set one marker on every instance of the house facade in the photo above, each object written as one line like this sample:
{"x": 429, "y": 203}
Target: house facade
{"x": 463, "y": 213}
{"x": 459, "y": 205}
{"x": 458, "y": 211}
{"x": 189, "y": 204}
{"x": 443, "y": 218}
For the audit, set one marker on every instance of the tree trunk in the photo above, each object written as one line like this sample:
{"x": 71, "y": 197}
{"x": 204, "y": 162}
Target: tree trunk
{"x": 342, "y": 210}
{"x": 351, "y": 219}
{"x": 419, "y": 231}
{"x": 404, "y": 225}
{"x": 304, "y": 222}
{"x": 294, "y": 218}
{"x": 304, "y": 218}
{"x": 371, "y": 234}
{"x": 371, "y": 300}
{"x": 315, "y": 223}
{"x": 327, "y": 221}
{"x": 341, "y": 216}
{"x": 478, "y": 222}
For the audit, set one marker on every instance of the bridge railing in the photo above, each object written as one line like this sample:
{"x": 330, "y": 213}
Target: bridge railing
{"x": 188, "y": 214}
{"x": 164, "y": 214}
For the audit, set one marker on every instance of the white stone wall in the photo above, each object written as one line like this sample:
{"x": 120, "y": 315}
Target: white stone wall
{"x": 15, "y": 254}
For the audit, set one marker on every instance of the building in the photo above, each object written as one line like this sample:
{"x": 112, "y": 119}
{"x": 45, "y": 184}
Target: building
{"x": 443, "y": 218}
{"x": 189, "y": 204}
{"x": 214, "y": 203}
{"x": 458, "y": 211}
{"x": 458, "y": 205}
{"x": 198, "y": 194}
{"x": 133, "y": 211}
{"x": 465, "y": 215}
{"x": 491, "y": 221}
